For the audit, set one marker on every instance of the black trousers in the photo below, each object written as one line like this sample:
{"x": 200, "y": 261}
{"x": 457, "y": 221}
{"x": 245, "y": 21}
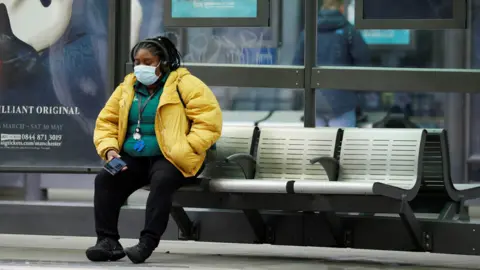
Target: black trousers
{"x": 111, "y": 192}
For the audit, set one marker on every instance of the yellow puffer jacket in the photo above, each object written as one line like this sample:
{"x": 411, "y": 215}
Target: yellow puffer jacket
{"x": 184, "y": 146}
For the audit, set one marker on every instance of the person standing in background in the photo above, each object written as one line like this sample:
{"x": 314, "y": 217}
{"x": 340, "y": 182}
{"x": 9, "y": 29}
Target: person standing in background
{"x": 338, "y": 44}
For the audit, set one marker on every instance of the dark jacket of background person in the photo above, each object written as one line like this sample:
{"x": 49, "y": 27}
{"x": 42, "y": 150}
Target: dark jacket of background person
{"x": 338, "y": 44}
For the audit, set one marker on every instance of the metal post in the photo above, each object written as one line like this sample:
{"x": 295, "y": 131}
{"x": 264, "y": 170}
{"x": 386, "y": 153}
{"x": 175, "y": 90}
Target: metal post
{"x": 119, "y": 38}
{"x": 112, "y": 14}
{"x": 32, "y": 187}
{"x": 122, "y": 39}
{"x": 455, "y": 118}
{"x": 311, "y": 13}
{"x": 468, "y": 97}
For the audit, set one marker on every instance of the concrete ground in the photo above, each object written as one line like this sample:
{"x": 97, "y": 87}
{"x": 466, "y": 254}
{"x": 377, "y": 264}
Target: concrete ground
{"x": 53, "y": 252}
{"x": 48, "y": 252}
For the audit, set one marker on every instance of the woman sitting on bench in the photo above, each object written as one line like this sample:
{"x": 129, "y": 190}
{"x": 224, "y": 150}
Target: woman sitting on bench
{"x": 160, "y": 122}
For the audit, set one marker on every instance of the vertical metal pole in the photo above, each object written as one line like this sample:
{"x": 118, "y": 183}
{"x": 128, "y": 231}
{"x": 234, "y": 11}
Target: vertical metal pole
{"x": 468, "y": 98}
{"x": 32, "y": 187}
{"x": 454, "y": 118}
{"x": 112, "y": 20}
{"x": 311, "y": 13}
{"x": 122, "y": 39}
{"x": 120, "y": 17}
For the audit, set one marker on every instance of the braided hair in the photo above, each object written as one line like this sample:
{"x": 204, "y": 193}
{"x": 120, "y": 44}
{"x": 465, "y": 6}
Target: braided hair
{"x": 163, "y": 47}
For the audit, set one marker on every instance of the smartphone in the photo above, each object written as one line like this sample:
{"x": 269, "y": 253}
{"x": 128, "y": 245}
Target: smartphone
{"x": 114, "y": 166}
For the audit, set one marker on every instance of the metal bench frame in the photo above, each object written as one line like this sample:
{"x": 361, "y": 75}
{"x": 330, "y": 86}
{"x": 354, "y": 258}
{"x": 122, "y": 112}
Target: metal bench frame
{"x": 217, "y": 188}
{"x": 389, "y": 199}
{"x": 459, "y": 197}
{"x": 384, "y": 194}
{"x": 385, "y": 199}
{"x": 190, "y": 230}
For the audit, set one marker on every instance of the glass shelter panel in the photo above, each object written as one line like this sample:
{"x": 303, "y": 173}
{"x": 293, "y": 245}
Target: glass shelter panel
{"x": 408, "y": 9}
{"x": 270, "y": 46}
{"x": 274, "y": 45}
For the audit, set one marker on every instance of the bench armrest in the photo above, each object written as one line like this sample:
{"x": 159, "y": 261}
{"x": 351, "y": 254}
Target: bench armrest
{"x": 330, "y": 165}
{"x": 466, "y": 194}
{"x": 246, "y": 162}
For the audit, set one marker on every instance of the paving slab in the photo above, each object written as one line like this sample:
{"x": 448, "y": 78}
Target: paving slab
{"x": 56, "y": 253}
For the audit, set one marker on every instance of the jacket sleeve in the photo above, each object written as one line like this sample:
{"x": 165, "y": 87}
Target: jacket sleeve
{"x": 105, "y": 135}
{"x": 203, "y": 110}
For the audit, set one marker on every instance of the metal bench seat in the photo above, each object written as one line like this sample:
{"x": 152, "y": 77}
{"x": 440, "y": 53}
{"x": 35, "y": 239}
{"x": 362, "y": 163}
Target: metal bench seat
{"x": 283, "y": 155}
{"x": 233, "y": 156}
{"x": 371, "y": 162}
{"x": 384, "y": 162}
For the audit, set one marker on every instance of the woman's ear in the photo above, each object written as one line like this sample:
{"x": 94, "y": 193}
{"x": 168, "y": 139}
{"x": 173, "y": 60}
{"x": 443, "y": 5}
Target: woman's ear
{"x": 158, "y": 70}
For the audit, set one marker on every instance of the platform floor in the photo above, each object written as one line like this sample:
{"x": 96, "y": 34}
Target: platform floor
{"x": 53, "y": 252}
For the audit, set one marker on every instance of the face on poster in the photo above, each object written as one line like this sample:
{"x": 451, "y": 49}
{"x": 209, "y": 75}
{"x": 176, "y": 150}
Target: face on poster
{"x": 28, "y": 28}
{"x": 214, "y": 8}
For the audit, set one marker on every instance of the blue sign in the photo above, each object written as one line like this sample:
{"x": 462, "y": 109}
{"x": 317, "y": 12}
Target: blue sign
{"x": 259, "y": 56}
{"x": 214, "y": 8}
{"x": 386, "y": 37}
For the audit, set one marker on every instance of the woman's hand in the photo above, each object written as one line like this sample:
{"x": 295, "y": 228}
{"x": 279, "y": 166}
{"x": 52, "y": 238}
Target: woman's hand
{"x": 111, "y": 154}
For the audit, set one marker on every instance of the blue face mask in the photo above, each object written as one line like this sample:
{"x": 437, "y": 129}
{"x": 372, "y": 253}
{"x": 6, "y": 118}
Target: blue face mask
{"x": 146, "y": 74}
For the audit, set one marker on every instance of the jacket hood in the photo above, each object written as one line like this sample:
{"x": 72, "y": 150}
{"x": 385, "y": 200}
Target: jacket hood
{"x": 329, "y": 20}
{"x": 176, "y": 75}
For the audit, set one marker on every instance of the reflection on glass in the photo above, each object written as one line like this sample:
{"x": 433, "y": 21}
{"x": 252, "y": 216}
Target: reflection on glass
{"x": 408, "y": 9}
{"x": 387, "y": 48}
{"x": 402, "y": 37}
{"x": 338, "y": 44}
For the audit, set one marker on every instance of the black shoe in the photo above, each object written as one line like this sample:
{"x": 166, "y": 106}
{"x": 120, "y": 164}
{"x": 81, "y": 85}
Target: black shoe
{"x": 139, "y": 253}
{"x": 105, "y": 250}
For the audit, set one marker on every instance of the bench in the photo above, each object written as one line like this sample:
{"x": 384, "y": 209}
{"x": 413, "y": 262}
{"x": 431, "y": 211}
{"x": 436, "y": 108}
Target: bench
{"x": 278, "y": 157}
{"x": 375, "y": 168}
{"x": 438, "y": 193}
{"x": 232, "y": 157}
{"x": 283, "y": 155}
{"x": 327, "y": 171}
{"x": 229, "y": 160}
{"x": 359, "y": 170}
{"x": 373, "y": 162}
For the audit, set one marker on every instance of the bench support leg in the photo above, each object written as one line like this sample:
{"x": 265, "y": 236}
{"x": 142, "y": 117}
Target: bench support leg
{"x": 414, "y": 228}
{"x": 463, "y": 214}
{"x": 341, "y": 237}
{"x": 187, "y": 230}
{"x": 449, "y": 211}
{"x": 263, "y": 232}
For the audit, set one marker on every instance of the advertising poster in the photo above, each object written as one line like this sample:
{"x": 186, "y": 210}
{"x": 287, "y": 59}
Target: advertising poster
{"x": 53, "y": 81}
{"x": 214, "y": 8}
